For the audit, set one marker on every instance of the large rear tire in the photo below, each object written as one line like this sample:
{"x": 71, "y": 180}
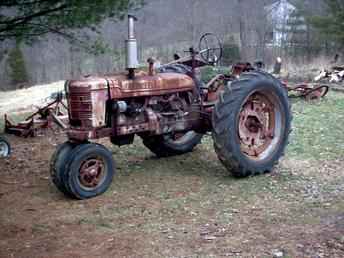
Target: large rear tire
{"x": 251, "y": 124}
{"x": 172, "y": 144}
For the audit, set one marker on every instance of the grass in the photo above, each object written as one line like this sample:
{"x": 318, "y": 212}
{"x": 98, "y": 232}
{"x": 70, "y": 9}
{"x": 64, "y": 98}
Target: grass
{"x": 191, "y": 185}
{"x": 318, "y": 128}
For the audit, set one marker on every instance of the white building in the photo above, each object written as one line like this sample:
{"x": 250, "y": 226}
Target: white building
{"x": 280, "y": 17}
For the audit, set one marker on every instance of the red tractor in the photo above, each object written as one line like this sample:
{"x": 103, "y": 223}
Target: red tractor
{"x": 170, "y": 109}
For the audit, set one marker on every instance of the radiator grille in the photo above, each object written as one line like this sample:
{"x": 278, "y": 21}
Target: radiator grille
{"x": 80, "y": 104}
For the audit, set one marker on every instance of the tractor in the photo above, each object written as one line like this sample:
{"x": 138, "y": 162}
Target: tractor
{"x": 170, "y": 109}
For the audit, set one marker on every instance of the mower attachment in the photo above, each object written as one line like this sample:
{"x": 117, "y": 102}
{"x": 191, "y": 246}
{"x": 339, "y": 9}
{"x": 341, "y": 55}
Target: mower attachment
{"x": 44, "y": 118}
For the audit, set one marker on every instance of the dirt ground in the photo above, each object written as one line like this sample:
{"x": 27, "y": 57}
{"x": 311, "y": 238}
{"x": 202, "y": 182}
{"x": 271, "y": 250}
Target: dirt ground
{"x": 185, "y": 206}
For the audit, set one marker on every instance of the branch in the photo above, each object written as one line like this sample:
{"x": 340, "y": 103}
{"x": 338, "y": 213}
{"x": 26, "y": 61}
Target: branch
{"x": 23, "y": 20}
{"x": 65, "y": 35}
{"x": 26, "y": 3}
{"x": 14, "y": 35}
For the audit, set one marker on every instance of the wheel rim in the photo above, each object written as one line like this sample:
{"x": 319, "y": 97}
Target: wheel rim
{"x": 92, "y": 173}
{"x": 260, "y": 125}
{"x": 4, "y": 149}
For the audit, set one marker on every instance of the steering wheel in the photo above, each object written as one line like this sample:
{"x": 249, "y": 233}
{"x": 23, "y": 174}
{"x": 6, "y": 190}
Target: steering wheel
{"x": 210, "y": 48}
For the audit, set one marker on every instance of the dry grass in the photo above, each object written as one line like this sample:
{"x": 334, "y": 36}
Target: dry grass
{"x": 304, "y": 71}
{"x": 27, "y": 99}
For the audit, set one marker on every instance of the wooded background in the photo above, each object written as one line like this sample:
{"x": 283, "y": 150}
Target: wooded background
{"x": 166, "y": 27}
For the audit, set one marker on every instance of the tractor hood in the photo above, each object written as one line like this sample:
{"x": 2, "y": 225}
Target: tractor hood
{"x": 163, "y": 83}
{"x": 121, "y": 87}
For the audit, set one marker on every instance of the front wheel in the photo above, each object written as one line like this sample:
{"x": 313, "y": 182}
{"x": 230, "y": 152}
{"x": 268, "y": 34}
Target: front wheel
{"x": 88, "y": 171}
{"x": 57, "y": 165}
{"x": 252, "y": 122}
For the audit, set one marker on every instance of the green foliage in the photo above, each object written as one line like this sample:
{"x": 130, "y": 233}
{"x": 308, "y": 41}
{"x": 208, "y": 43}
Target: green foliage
{"x": 28, "y": 19}
{"x": 231, "y": 53}
{"x": 209, "y": 72}
{"x": 16, "y": 64}
{"x": 331, "y": 24}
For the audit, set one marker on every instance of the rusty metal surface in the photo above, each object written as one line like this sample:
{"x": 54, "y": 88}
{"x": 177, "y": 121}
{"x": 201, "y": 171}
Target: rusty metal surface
{"x": 87, "y": 100}
{"x": 159, "y": 84}
{"x": 142, "y": 85}
{"x": 132, "y": 129}
{"x": 308, "y": 91}
{"x": 214, "y": 87}
{"x": 256, "y": 125}
{"x": 83, "y": 134}
{"x": 317, "y": 92}
{"x": 92, "y": 173}
{"x": 79, "y": 101}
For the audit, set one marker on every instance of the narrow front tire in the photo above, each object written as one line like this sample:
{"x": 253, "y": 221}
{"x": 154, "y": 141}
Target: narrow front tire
{"x": 89, "y": 171}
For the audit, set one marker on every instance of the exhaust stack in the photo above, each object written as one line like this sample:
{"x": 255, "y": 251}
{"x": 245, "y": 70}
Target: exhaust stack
{"x": 131, "y": 47}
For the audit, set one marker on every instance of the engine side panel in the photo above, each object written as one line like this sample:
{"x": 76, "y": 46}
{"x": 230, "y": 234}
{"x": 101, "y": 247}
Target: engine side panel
{"x": 88, "y": 98}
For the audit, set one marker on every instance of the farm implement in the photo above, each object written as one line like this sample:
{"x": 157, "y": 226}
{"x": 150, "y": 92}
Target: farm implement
{"x": 44, "y": 118}
{"x": 308, "y": 91}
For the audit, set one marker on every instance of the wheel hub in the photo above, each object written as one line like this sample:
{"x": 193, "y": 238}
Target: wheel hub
{"x": 256, "y": 125}
{"x": 92, "y": 172}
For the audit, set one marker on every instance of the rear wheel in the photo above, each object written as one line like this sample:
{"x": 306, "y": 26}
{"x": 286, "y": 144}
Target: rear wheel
{"x": 252, "y": 122}
{"x": 172, "y": 144}
{"x": 5, "y": 148}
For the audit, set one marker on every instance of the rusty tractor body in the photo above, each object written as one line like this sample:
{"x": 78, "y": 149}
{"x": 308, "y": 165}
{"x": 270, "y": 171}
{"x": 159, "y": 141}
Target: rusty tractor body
{"x": 117, "y": 106}
{"x": 170, "y": 109}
